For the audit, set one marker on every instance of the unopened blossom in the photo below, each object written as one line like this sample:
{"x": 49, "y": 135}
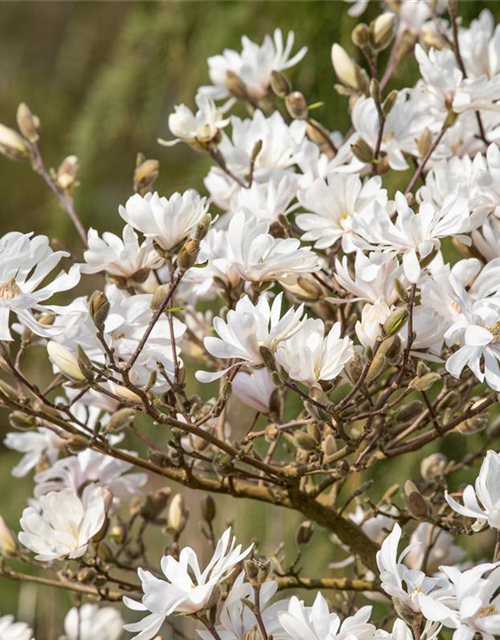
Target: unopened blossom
{"x": 470, "y": 606}
{"x": 373, "y": 316}
{"x": 167, "y": 221}
{"x": 254, "y": 389}
{"x": 12, "y": 630}
{"x": 332, "y": 205}
{"x": 91, "y": 622}
{"x": 398, "y": 581}
{"x": 310, "y": 356}
{"x": 431, "y": 547}
{"x": 317, "y": 623}
{"x": 8, "y": 544}
{"x": 414, "y": 235}
{"x": 444, "y": 82}
{"x": 26, "y": 261}
{"x": 249, "y": 251}
{"x": 62, "y": 524}
{"x": 122, "y": 257}
{"x": 91, "y": 467}
{"x": 186, "y": 589}
{"x": 247, "y": 328}
{"x": 37, "y": 446}
{"x": 64, "y": 360}
{"x": 198, "y": 129}
{"x": 236, "y": 619}
{"x": 482, "y": 501}
{"x": 252, "y": 66}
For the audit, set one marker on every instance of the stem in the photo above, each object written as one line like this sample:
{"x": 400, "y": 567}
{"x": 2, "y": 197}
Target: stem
{"x": 258, "y": 614}
{"x": 425, "y": 160}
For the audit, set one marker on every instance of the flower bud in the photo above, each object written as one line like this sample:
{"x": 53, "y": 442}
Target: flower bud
{"x": 268, "y": 358}
{"x": 236, "y": 86}
{"x": 362, "y": 150}
{"x": 77, "y": 444}
{"x": 65, "y": 361}
{"x": 119, "y": 420}
{"x": 155, "y": 503}
{"x": 12, "y": 145}
{"x": 348, "y": 72}
{"x": 98, "y": 308}
{"x": 177, "y": 514}
{"x": 126, "y": 394}
{"x": 415, "y": 501}
{"x": 382, "y": 30}
{"x": 409, "y": 411}
{"x": 423, "y": 383}
{"x": 401, "y": 290}
{"x": 305, "y": 441}
{"x": 208, "y": 508}
{"x": 433, "y": 466}
{"x": 28, "y": 123}
{"x": 159, "y": 296}
{"x": 424, "y": 143}
{"x": 280, "y": 84}
{"x": 84, "y": 363}
{"x": 389, "y": 103}
{"x": 395, "y": 321}
{"x": 360, "y": 36}
{"x": 256, "y": 571}
{"x": 374, "y": 90}
{"x": 8, "y": 543}
{"x": 22, "y": 421}
{"x": 145, "y": 174}
{"x": 66, "y": 173}
{"x": 8, "y": 391}
{"x": 329, "y": 445}
{"x": 296, "y": 105}
{"x": 376, "y": 368}
{"x": 203, "y": 227}
{"x": 304, "y": 533}
{"x": 188, "y": 254}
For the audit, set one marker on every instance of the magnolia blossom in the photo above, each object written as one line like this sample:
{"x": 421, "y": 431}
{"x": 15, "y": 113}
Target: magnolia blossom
{"x": 470, "y": 605}
{"x": 267, "y": 200}
{"x": 200, "y": 128}
{"x": 37, "y": 446}
{"x": 89, "y": 622}
{"x": 415, "y": 235}
{"x": 12, "y": 630}
{"x": 369, "y": 328}
{"x": 333, "y": 204}
{"x": 246, "y": 250}
{"x": 62, "y": 524}
{"x": 317, "y": 623}
{"x": 236, "y": 619}
{"x": 186, "y": 589}
{"x": 26, "y": 262}
{"x": 401, "y": 631}
{"x": 247, "y": 328}
{"x": 309, "y": 356}
{"x": 253, "y": 66}
{"x": 91, "y": 467}
{"x": 254, "y": 389}
{"x": 398, "y": 581}
{"x": 443, "y": 549}
{"x": 123, "y": 258}
{"x": 480, "y": 46}
{"x": 167, "y": 221}
{"x": 482, "y": 502}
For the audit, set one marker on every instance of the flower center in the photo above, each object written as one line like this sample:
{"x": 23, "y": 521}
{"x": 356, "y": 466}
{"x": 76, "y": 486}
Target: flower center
{"x": 488, "y": 610}
{"x": 9, "y": 290}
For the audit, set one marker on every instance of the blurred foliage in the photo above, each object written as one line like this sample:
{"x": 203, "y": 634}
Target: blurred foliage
{"x": 103, "y": 78}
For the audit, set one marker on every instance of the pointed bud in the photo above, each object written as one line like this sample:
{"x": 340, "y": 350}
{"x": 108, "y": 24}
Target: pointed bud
{"x": 395, "y": 321}
{"x": 77, "y": 444}
{"x": 305, "y": 441}
{"x": 98, "y": 308}
{"x": 415, "y": 501}
{"x": 296, "y": 105}
{"x": 268, "y": 358}
{"x": 348, "y": 72}
{"x": 374, "y": 90}
{"x": 280, "y": 84}
{"x": 423, "y": 383}
{"x": 119, "y": 420}
{"x": 66, "y": 173}
{"x": 433, "y": 466}
{"x": 236, "y": 86}
{"x": 12, "y": 145}
{"x": 8, "y": 543}
{"x": 28, "y": 123}
{"x": 8, "y": 391}
{"x": 360, "y": 36}
{"x": 389, "y": 103}
{"x": 362, "y": 150}
{"x": 84, "y": 363}
{"x": 126, "y": 394}
{"x": 65, "y": 361}
{"x": 409, "y": 411}
{"x": 304, "y": 533}
{"x": 155, "y": 503}
{"x": 177, "y": 514}
{"x": 188, "y": 254}
{"x": 208, "y": 508}
{"x": 145, "y": 175}
{"x": 21, "y": 421}
{"x": 203, "y": 226}
{"x": 401, "y": 290}
{"x": 424, "y": 143}
{"x": 159, "y": 296}
{"x": 382, "y": 30}
{"x": 376, "y": 368}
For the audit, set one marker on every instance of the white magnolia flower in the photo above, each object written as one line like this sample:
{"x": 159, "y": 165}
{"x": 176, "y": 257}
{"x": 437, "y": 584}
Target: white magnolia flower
{"x": 476, "y": 330}
{"x": 266, "y": 201}
{"x": 125, "y": 257}
{"x": 200, "y": 128}
{"x": 487, "y": 239}
{"x": 482, "y": 502}
{"x": 167, "y": 221}
{"x": 91, "y": 467}
{"x": 309, "y": 356}
{"x": 246, "y": 250}
{"x": 471, "y": 605}
{"x": 89, "y": 622}
{"x": 236, "y": 619}
{"x": 254, "y": 389}
{"x": 414, "y": 235}
{"x": 480, "y": 46}
{"x": 333, "y": 204}
{"x": 445, "y": 83}
{"x": 443, "y": 549}
{"x": 26, "y": 262}
{"x": 398, "y": 581}
{"x": 404, "y": 123}
{"x": 373, "y": 316}
{"x": 317, "y": 623}
{"x": 247, "y": 328}
{"x": 253, "y": 65}
{"x": 12, "y": 630}
{"x": 186, "y": 589}
{"x": 401, "y": 631}
{"x": 38, "y": 445}
{"x": 373, "y": 281}
{"x": 62, "y": 524}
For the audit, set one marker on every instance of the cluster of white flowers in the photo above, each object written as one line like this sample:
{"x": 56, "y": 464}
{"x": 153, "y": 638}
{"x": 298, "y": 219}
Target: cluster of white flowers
{"x": 302, "y": 273}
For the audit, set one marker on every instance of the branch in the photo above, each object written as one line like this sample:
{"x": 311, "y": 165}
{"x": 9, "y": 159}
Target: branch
{"x": 340, "y": 584}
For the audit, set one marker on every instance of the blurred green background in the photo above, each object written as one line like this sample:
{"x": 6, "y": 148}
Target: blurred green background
{"x": 103, "y": 77}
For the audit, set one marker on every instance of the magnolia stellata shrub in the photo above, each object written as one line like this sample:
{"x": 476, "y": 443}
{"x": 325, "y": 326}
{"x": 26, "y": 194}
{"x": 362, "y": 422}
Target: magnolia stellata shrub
{"x": 357, "y": 322}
